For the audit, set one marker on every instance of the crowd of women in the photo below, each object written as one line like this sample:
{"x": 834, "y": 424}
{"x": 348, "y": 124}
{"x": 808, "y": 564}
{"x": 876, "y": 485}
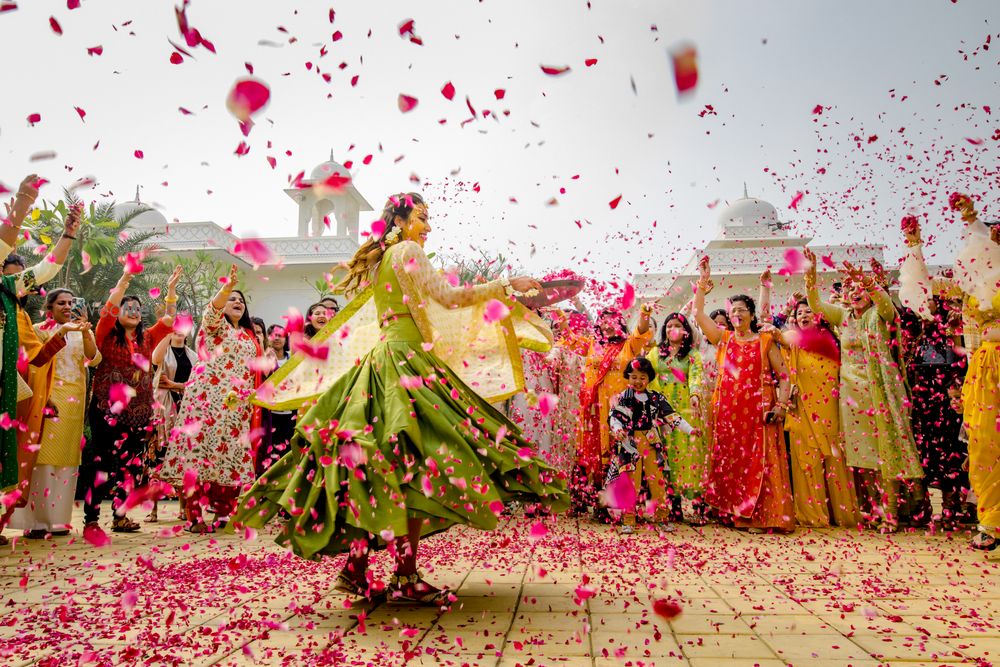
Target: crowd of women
{"x": 390, "y": 421}
{"x": 840, "y": 409}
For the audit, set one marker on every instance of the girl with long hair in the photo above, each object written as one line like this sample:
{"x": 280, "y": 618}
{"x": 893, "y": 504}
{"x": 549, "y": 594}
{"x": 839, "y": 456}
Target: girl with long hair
{"x": 211, "y": 439}
{"x": 402, "y": 440}
{"x": 174, "y": 361}
{"x": 317, "y": 315}
{"x": 678, "y": 377}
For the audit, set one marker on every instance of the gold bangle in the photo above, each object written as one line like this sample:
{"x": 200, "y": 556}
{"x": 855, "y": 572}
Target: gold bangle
{"x": 170, "y": 300}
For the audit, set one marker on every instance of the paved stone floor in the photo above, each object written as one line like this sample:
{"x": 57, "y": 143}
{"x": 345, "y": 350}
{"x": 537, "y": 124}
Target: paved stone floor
{"x": 569, "y": 593}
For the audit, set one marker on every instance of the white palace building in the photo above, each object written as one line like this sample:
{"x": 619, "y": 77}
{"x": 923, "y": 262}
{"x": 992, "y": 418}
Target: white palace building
{"x": 750, "y": 239}
{"x": 300, "y": 260}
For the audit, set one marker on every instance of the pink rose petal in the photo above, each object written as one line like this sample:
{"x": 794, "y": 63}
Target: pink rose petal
{"x": 247, "y": 96}
{"x": 495, "y": 311}
{"x": 258, "y": 252}
{"x": 406, "y": 103}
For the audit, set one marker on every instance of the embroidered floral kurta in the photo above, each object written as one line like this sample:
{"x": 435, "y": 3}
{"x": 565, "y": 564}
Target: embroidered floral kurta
{"x": 213, "y": 424}
{"x": 874, "y": 408}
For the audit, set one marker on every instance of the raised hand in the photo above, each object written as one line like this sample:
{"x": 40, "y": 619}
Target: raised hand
{"x": 28, "y": 190}
{"x": 705, "y": 269}
{"x": 72, "y": 225}
{"x": 175, "y": 277}
{"x": 811, "y": 269}
{"x": 521, "y": 284}
{"x": 765, "y": 277}
{"x": 911, "y": 230}
{"x": 853, "y": 273}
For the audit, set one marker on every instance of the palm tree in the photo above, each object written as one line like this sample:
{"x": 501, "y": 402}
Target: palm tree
{"x": 102, "y": 240}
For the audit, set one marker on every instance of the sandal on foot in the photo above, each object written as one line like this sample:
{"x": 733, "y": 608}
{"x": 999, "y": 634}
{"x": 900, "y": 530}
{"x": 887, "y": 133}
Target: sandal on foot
{"x": 345, "y": 584}
{"x": 152, "y": 518}
{"x": 412, "y": 589}
{"x": 984, "y": 542}
{"x": 199, "y": 528}
{"x": 124, "y": 525}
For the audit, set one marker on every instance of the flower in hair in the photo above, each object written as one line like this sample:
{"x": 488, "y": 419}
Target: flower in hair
{"x": 392, "y": 236}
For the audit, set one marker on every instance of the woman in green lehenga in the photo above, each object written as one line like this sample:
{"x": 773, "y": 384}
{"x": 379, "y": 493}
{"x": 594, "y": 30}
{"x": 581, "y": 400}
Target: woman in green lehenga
{"x": 402, "y": 440}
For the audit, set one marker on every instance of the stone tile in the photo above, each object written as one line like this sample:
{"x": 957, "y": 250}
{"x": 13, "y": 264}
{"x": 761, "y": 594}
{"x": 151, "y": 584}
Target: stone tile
{"x": 902, "y": 647}
{"x": 735, "y": 662}
{"x": 746, "y": 600}
{"x": 634, "y": 645}
{"x": 734, "y": 646}
{"x": 800, "y": 649}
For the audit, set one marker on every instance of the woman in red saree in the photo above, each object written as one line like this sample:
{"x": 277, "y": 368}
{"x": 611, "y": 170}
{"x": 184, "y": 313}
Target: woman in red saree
{"x": 747, "y": 475}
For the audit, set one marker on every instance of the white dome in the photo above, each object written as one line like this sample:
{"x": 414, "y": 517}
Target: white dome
{"x": 148, "y": 218}
{"x": 748, "y": 212}
{"x": 327, "y": 169}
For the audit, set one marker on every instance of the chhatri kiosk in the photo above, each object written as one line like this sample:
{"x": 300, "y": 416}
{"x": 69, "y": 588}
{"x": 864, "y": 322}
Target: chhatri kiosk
{"x": 299, "y": 261}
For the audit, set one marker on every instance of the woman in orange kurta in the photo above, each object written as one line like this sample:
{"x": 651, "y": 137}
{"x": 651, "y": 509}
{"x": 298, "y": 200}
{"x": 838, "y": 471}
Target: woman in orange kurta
{"x": 607, "y": 355}
{"x": 747, "y": 477}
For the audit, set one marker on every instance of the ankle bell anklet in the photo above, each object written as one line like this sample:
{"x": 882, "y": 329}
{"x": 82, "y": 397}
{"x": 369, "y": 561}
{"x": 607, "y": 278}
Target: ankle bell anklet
{"x": 406, "y": 579}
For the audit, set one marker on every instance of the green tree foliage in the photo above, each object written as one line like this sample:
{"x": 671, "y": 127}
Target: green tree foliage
{"x": 102, "y": 240}
{"x": 480, "y": 268}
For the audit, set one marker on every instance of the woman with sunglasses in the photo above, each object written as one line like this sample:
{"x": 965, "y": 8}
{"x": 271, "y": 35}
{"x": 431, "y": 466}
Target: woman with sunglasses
{"x": 121, "y": 408}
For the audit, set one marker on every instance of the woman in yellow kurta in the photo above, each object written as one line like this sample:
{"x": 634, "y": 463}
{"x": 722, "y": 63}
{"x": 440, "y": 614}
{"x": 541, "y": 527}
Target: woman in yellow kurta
{"x": 54, "y": 477}
{"x": 977, "y": 274}
{"x": 822, "y": 486}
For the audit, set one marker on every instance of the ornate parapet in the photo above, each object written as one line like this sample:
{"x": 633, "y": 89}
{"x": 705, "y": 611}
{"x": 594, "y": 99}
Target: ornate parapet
{"x": 192, "y": 236}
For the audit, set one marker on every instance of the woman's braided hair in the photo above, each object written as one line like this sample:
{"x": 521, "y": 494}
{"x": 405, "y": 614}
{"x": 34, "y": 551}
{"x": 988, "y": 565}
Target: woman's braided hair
{"x": 368, "y": 256}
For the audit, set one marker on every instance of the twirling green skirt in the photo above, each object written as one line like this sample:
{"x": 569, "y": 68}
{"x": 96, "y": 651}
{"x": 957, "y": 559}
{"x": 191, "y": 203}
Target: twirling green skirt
{"x": 398, "y": 436}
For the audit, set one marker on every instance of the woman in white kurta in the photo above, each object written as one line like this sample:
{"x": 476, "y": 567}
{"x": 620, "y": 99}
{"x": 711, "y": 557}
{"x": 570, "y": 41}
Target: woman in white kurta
{"x": 54, "y": 477}
{"x": 212, "y": 431}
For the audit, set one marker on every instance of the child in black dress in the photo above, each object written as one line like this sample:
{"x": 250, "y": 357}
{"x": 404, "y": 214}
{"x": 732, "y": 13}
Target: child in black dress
{"x": 637, "y": 414}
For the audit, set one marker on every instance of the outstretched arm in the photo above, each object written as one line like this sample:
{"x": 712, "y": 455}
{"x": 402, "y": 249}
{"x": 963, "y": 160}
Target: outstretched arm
{"x": 171, "y": 299}
{"x": 411, "y": 265}
{"x": 117, "y": 294}
{"x": 914, "y": 278}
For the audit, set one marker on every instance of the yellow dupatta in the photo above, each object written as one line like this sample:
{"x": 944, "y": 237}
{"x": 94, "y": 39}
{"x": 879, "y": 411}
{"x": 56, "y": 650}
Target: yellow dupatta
{"x": 485, "y": 355}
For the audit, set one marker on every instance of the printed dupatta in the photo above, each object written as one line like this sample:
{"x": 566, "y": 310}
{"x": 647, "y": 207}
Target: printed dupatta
{"x": 484, "y": 354}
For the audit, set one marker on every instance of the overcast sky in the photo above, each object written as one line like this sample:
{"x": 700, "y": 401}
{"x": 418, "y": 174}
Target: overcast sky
{"x": 892, "y": 74}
